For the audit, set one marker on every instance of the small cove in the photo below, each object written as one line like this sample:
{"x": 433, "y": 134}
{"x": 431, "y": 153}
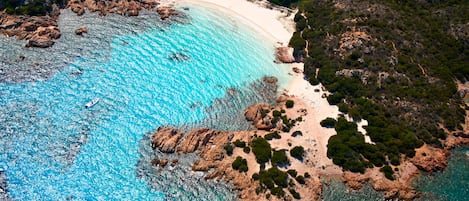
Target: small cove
{"x": 53, "y": 148}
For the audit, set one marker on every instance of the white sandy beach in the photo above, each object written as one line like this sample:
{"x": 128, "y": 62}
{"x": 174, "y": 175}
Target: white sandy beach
{"x": 278, "y": 27}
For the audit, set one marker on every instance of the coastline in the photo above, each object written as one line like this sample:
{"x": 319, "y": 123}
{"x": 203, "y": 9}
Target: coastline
{"x": 305, "y": 95}
{"x": 268, "y": 24}
{"x": 276, "y": 26}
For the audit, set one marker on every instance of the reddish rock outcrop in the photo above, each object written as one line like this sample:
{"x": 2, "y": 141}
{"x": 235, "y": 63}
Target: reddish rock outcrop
{"x": 39, "y": 31}
{"x": 399, "y": 188}
{"x": 195, "y": 139}
{"x": 258, "y": 114}
{"x": 166, "y": 139}
{"x": 285, "y": 54}
{"x": 127, "y": 8}
{"x": 430, "y": 159}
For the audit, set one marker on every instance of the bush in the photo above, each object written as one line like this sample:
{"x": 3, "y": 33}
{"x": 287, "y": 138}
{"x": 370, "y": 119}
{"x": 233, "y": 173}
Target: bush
{"x": 292, "y": 173}
{"x": 255, "y": 176}
{"x": 300, "y": 179}
{"x": 289, "y": 103}
{"x": 262, "y": 150}
{"x": 273, "y": 176}
{"x": 240, "y": 164}
{"x": 388, "y": 172}
{"x": 272, "y": 135}
{"x": 276, "y": 113}
{"x": 335, "y": 98}
{"x": 239, "y": 143}
{"x": 328, "y": 122}
{"x": 246, "y": 150}
{"x": 279, "y": 158}
{"x": 295, "y": 194}
{"x": 277, "y": 191}
{"x": 297, "y": 133}
{"x": 229, "y": 149}
{"x": 297, "y": 152}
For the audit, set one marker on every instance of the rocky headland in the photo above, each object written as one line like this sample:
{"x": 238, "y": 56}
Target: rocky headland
{"x": 219, "y": 149}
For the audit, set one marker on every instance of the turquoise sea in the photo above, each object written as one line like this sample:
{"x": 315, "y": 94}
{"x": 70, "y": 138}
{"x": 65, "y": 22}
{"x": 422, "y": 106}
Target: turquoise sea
{"x": 147, "y": 73}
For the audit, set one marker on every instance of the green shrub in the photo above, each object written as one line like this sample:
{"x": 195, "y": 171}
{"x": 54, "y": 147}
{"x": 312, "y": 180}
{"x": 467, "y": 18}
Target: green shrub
{"x": 272, "y": 135}
{"x": 297, "y": 152}
{"x": 300, "y": 179}
{"x": 297, "y": 133}
{"x": 261, "y": 149}
{"x": 278, "y": 191}
{"x": 246, "y": 150}
{"x": 279, "y": 158}
{"x": 240, "y": 164}
{"x": 229, "y": 149}
{"x": 276, "y": 113}
{"x": 328, "y": 122}
{"x": 388, "y": 172}
{"x": 273, "y": 176}
{"x": 239, "y": 143}
{"x": 295, "y": 194}
{"x": 255, "y": 176}
{"x": 292, "y": 173}
{"x": 289, "y": 103}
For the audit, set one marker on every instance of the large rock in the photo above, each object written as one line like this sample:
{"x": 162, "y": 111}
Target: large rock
{"x": 195, "y": 139}
{"x": 258, "y": 114}
{"x": 430, "y": 159}
{"x": 44, "y": 37}
{"x": 285, "y": 55}
{"x": 254, "y": 112}
{"x": 166, "y": 139}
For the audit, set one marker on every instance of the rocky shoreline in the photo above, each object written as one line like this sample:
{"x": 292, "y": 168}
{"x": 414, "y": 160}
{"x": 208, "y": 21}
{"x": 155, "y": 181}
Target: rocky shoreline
{"x": 215, "y": 160}
{"x": 42, "y": 31}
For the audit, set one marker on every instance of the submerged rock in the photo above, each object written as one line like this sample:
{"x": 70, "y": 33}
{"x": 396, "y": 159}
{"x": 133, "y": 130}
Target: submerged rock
{"x": 80, "y": 31}
{"x": 166, "y": 12}
{"x": 3, "y": 187}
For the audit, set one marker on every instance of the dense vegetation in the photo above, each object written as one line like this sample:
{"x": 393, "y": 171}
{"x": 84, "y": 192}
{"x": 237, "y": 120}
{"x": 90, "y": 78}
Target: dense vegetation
{"x": 32, "y": 7}
{"x": 283, "y": 2}
{"x": 262, "y": 150}
{"x": 393, "y": 63}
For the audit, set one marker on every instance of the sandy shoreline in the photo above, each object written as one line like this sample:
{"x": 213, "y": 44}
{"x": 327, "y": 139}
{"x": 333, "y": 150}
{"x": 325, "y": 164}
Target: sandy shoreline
{"x": 278, "y": 28}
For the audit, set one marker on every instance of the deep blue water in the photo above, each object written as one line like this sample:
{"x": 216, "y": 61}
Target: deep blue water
{"x": 146, "y": 73}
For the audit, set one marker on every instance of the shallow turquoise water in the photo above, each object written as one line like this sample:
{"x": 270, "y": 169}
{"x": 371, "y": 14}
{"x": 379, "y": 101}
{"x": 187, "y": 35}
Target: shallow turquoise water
{"x": 450, "y": 184}
{"x": 52, "y": 148}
